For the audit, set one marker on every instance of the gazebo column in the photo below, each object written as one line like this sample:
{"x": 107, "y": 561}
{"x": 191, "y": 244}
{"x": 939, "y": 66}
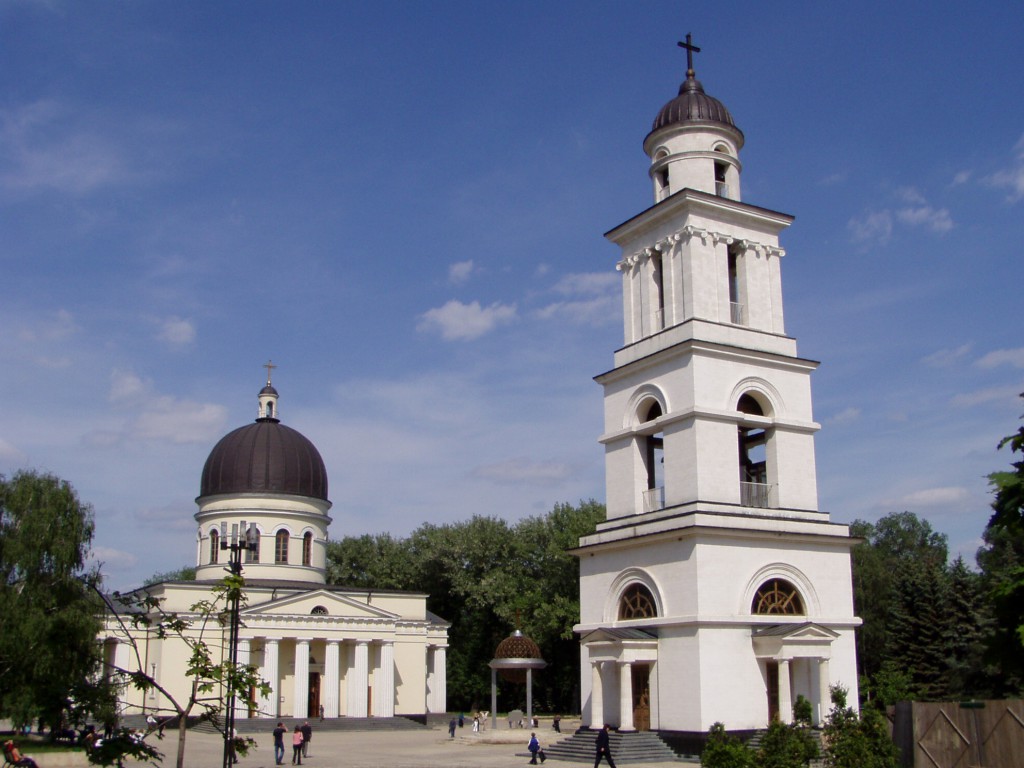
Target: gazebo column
{"x": 529, "y": 696}
{"x": 625, "y": 696}
{"x": 332, "y": 678}
{"x": 494, "y": 698}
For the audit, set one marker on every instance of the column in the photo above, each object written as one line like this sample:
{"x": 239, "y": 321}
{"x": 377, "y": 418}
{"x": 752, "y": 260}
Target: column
{"x": 494, "y": 698}
{"x": 358, "y": 680}
{"x": 785, "y": 693}
{"x": 824, "y": 696}
{"x": 301, "y": 706}
{"x": 596, "y": 696}
{"x": 625, "y": 696}
{"x": 529, "y": 697}
{"x": 332, "y": 679}
{"x": 269, "y": 703}
{"x": 241, "y": 708}
{"x": 384, "y": 687}
{"x": 440, "y": 687}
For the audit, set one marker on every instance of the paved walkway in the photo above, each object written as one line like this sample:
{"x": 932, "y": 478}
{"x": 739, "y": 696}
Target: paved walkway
{"x": 428, "y": 748}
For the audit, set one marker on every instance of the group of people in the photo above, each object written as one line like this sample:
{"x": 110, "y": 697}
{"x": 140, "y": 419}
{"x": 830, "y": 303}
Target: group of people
{"x": 301, "y": 736}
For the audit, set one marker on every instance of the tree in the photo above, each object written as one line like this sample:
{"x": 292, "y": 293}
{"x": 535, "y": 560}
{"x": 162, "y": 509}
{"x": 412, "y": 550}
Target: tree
{"x": 185, "y": 573}
{"x": 135, "y": 614}
{"x": 786, "y": 746}
{"x": 854, "y": 741}
{"x": 723, "y": 750}
{"x": 1002, "y": 564}
{"x": 49, "y": 661}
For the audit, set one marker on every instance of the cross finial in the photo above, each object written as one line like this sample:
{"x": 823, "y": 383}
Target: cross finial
{"x": 270, "y": 368}
{"x": 690, "y": 50}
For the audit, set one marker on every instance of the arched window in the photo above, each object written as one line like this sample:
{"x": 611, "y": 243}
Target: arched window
{"x": 307, "y": 549}
{"x": 281, "y": 546}
{"x": 214, "y": 546}
{"x": 270, "y": 410}
{"x": 318, "y": 610}
{"x": 654, "y": 460}
{"x": 778, "y": 596}
{"x": 755, "y": 490}
{"x": 637, "y": 602}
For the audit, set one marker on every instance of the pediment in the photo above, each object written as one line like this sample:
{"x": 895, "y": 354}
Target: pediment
{"x": 618, "y": 636}
{"x": 794, "y": 641}
{"x": 808, "y": 631}
{"x": 303, "y": 603}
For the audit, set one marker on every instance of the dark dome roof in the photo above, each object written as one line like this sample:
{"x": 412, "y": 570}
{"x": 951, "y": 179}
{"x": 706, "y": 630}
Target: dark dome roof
{"x": 265, "y": 457}
{"x": 692, "y": 105}
{"x": 517, "y": 646}
{"x": 268, "y": 390}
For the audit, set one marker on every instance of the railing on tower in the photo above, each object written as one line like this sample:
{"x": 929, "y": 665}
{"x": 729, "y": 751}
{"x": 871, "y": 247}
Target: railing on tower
{"x": 722, "y": 189}
{"x": 756, "y": 495}
{"x": 654, "y": 499}
{"x": 737, "y": 313}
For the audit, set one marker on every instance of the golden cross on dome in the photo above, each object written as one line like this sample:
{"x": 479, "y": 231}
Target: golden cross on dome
{"x": 690, "y": 50}
{"x": 270, "y": 368}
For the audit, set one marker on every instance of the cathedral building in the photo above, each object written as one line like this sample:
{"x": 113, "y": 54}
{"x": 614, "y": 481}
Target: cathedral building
{"x": 351, "y": 652}
{"x": 716, "y": 590}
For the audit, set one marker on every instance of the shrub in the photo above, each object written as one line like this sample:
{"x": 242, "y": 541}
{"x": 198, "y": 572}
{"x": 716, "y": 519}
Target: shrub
{"x": 802, "y": 710}
{"x": 857, "y": 742}
{"x": 786, "y": 746}
{"x": 724, "y": 750}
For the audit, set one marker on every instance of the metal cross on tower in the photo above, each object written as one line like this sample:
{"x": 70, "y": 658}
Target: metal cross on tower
{"x": 690, "y": 50}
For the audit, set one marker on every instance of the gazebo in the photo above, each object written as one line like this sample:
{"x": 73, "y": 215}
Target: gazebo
{"x": 516, "y": 657}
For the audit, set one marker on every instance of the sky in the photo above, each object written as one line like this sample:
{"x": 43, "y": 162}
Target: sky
{"x": 402, "y": 204}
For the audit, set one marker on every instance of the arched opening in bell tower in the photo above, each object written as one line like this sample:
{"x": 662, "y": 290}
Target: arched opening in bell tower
{"x": 653, "y": 446}
{"x": 755, "y": 489}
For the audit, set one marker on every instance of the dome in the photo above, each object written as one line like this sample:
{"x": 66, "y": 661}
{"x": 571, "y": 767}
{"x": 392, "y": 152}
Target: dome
{"x": 692, "y": 105}
{"x": 265, "y": 457}
{"x": 514, "y": 655}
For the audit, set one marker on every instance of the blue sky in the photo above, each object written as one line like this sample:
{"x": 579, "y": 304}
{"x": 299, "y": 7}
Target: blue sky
{"x": 402, "y": 204}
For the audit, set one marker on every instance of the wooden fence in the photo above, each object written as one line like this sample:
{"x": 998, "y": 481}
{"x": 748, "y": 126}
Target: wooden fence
{"x": 977, "y": 734}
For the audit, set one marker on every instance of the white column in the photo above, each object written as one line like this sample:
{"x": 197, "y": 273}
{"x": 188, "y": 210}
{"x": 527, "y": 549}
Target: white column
{"x": 241, "y": 710}
{"x": 122, "y": 655}
{"x": 269, "y": 703}
{"x": 384, "y": 687}
{"x": 358, "y": 680}
{"x": 440, "y": 686}
{"x": 625, "y": 696}
{"x": 494, "y": 699}
{"x": 824, "y": 698}
{"x": 596, "y": 696}
{"x": 301, "y": 706}
{"x": 332, "y": 679}
{"x": 529, "y": 697}
{"x": 785, "y": 693}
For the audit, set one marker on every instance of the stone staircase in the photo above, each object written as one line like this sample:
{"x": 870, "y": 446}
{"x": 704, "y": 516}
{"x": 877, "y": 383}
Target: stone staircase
{"x": 631, "y": 747}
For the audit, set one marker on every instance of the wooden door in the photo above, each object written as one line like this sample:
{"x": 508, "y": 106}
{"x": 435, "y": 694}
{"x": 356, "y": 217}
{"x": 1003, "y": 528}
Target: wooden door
{"x": 314, "y": 695}
{"x": 642, "y": 697}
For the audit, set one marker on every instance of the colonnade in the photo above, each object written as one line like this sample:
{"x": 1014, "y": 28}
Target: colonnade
{"x": 597, "y": 705}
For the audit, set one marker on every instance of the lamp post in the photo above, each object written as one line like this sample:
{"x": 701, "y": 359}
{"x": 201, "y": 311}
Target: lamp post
{"x": 236, "y": 546}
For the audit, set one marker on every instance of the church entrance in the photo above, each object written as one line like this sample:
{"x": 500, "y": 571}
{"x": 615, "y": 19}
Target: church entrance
{"x": 641, "y": 697}
{"x": 314, "y": 694}
{"x": 772, "y": 668}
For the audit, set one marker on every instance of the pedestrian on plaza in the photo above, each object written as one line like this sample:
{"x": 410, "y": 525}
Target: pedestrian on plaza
{"x": 604, "y": 747}
{"x": 297, "y": 746}
{"x": 535, "y": 750}
{"x": 321, "y": 713}
{"x": 307, "y": 736}
{"x": 556, "y": 723}
{"x": 279, "y": 733}
{"x": 451, "y": 728}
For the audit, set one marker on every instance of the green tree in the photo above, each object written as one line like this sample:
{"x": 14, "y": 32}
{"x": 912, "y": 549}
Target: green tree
{"x": 854, "y": 741}
{"x": 786, "y": 746}
{"x": 185, "y": 573}
{"x": 1001, "y": 560}
{"x": 723, "y": 750}
{"x": 49, "y": 661}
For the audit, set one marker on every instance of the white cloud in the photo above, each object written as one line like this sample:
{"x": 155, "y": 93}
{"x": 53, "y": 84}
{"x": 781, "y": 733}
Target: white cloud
{"x": 1012, "y": 177}
{"x": 936, "y": 220}
{"x": 152, "y": 416}
{"x": 876, "y": 225}
{"x": 9, "y": 454}
{"x": 933, "y": 497}
{"x": 126, "y": 387}
{"x": 523, "y": 470}
{"x": 910, "y": 195}
{"x": 846, "y": 416}
{"x": 982, "y": 396}
{"x": 60, "y": 326}
{"x": 944, "y": 358}
{"x": 961, "y": 178}
{"x": 598, "y": 311}
{"x": 456, "y": 321}
{"x": 460, "y": 271}
{"x": 832, "y": 179}
{"x": 1012, "y": 357}
{"x": 588, "y": 283}
{"x": 177, "y": 331}
{"x": 113, "y": 559}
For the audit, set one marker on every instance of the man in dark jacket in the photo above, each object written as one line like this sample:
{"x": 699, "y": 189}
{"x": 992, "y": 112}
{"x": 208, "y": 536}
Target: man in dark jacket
{"x": 603, "y": 747}
{"x": 307, "y": 736}
{"x": 279, "y": 733}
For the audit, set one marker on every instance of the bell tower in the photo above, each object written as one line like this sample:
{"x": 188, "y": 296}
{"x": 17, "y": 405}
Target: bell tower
{"x": 714, "y": 570}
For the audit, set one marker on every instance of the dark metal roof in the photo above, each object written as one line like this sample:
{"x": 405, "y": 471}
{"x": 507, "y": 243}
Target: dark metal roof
{"x": 692, "y": 105}
{"x": 268, "y": 390}
{"x": 265, "y": 457}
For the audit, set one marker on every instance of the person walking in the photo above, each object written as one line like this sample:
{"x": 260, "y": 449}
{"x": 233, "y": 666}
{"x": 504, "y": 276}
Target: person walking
{"x": 297, "y": 746}
{"x": 535, "y": 750}
{"x": 451, "y": 728}
{"x": 604, "y": 747}
{"x": 307, "y": 736}
{"x": 279, "y": 733}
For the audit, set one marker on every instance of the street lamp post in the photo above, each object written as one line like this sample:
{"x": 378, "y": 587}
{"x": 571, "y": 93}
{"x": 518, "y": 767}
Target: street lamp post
{"x": 236, "y": 546}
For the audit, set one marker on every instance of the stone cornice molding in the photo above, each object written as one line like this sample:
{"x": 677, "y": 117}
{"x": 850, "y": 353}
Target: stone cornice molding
{"x": 689, "y": 232}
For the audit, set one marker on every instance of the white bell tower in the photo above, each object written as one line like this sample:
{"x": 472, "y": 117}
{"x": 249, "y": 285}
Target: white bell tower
{"x": 709, "y": 457}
